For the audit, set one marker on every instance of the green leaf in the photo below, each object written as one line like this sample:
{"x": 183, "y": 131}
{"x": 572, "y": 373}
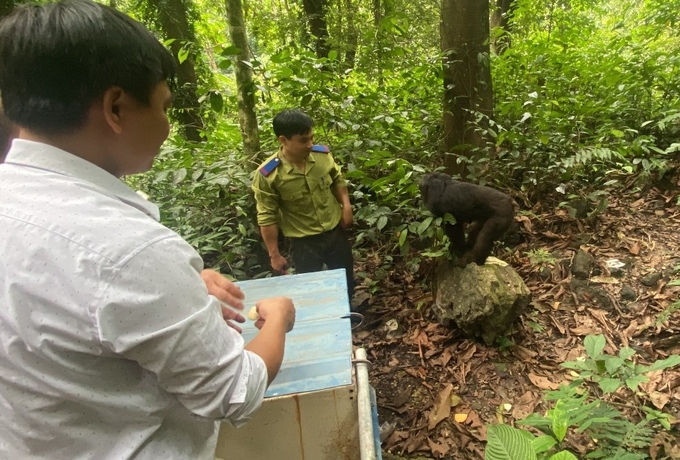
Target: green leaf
{"x": 609, "y": 385}
{"x": 230, "y": 51}
{"x": 306, "y": 99}
{"x": 613, "y": 363}
{"x": 507, "y": 443}
{"x": 594, "y": 345}
{"x": 560, "y": 421}
{"x": 671, "y": 361}
{"x": 626, "y": 353}
{"x": 179, "y": 176}
{"x": 382, "y": 221}
{"x": 402, "y": 236}
{"x": 216, "y": 101}
{"x": 636, "y": 380}
{"x": 182, "y": 55}
{"x": 543, "y": 443}
{"x": 424, "y": 225}
{"x": 564, "y": 455}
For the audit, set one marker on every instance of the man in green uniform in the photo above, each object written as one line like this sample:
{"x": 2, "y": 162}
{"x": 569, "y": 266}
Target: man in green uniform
{"x": 301, "y": 192}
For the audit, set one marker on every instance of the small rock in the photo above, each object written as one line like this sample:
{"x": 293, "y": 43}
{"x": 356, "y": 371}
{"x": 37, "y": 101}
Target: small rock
{"x": 579, "y": 208}
{"x": 582, "y": 264}
{"x": 628, "y": 293}
{"x": 650, "y": 279}
{"x": 600, "y": 297}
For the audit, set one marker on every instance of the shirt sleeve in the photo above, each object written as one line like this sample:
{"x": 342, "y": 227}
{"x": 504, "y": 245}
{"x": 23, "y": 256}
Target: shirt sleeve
{"x": 336, "y": 174}
{"x": 267, "y": 201}
{"x": 156, "y": 311}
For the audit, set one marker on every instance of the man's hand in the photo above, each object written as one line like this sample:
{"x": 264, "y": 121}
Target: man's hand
{"x": 347, "y": 218}
{"x": 227, "y": 293}
{"x": 279, "y": 264}
{"x": 279, "y": 309}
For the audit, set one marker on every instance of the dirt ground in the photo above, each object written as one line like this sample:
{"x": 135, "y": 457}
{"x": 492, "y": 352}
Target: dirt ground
{"x": 437, "y": 390}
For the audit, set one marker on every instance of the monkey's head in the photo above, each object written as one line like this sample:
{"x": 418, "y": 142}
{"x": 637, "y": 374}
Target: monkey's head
{"x": 432, "y": 185}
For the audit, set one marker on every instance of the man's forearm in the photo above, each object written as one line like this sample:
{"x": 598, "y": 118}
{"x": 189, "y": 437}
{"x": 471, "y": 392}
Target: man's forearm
{"x": 270, "y": 236}
{"x": 269, "y": 344}
{"x": 342, "y": 195}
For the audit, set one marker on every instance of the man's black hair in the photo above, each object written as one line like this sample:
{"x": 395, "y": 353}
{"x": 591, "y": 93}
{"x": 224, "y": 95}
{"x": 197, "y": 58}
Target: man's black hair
{"x": 290, "y": 122}
{"x": 57, "y": 59}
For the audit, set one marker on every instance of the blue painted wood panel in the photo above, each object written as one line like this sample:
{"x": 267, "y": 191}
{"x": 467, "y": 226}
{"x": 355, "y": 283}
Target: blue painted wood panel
{"x": 318, "y": 350}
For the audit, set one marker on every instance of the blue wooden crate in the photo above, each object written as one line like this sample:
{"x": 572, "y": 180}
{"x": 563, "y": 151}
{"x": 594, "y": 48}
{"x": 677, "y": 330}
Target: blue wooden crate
{"x": 318, "y": 350}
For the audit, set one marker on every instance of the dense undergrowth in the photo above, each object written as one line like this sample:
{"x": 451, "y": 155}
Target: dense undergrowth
{"x": 585, "y": 99}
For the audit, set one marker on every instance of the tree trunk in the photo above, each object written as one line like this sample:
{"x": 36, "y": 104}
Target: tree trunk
{"x": 467, "y": 78}
{"x": 377, "y": 19}
{"x": 244, "y": 82}
{"x": 352, "y": 34}
{"x": 315, "y": 10}
{"x": 500, "y": 18}
{"x": 173, "y": 20}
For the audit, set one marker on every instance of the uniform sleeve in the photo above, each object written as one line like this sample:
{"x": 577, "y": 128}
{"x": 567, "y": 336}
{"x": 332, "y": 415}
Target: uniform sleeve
{"x": 267, "y": 201}
{"x": 336, "y": 174}
{"x": 156, "y": 311}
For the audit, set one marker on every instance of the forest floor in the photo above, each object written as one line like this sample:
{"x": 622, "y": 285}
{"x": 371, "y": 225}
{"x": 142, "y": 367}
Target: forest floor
{"x": 437, "y": 390}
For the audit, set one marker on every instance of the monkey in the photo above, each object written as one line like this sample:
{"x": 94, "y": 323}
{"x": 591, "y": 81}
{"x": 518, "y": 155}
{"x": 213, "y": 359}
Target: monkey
{"x": 488, "y": 211}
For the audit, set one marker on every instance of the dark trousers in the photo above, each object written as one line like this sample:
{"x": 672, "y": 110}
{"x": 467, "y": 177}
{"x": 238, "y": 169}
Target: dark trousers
{"x": 332, "y": 248}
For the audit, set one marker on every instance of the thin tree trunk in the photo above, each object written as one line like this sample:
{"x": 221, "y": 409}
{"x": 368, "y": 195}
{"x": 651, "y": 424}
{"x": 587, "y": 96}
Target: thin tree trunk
{"x": 352, "y": 34}
{"x": 244, "y": 82}
{"x": 173, "y": 20}
{"x": 315, "y": 10}
{"x": 467, "y": 78}
{"x": 377, "y": 19}
{"x": 500, "y": 18}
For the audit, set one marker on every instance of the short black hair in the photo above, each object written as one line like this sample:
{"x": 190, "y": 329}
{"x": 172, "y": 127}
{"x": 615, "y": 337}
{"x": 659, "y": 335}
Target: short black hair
{"x": 57, "y": 59}
{"x": 290, "y": 122}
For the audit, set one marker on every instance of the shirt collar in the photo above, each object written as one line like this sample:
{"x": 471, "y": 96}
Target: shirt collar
{"x": 49, "y": 158}
{"x": 290, "y": 166}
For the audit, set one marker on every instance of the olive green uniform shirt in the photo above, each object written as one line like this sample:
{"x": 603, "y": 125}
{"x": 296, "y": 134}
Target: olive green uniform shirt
{"x": 300, "y": 203}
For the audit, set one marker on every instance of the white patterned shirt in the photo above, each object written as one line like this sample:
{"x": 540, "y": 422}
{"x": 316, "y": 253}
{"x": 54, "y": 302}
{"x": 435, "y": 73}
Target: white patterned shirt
{"x": 110, "y": 346}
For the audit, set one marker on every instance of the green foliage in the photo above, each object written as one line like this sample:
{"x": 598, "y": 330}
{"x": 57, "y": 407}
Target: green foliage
{"x": 541, "y": 257}
{"x": 207, "y": 201}
{"x": 587, "y": 92}
{"x": 577, "y": 408}
{"x": 508, "y": 443}
{"x": 613, "y": 372}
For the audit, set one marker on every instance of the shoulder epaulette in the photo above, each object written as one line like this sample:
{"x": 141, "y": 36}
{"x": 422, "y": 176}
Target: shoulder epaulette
{"x": 320, "y": 148}
{"x": 267, "y": 168}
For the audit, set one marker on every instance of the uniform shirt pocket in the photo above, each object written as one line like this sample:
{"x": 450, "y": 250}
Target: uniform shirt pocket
{"x": 324, "y": 182}
{"x": 293, "y": 196}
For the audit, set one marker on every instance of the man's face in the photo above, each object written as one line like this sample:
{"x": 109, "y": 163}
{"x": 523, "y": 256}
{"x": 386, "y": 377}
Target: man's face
{"x": 147, "y": 128}
{"x": 298, "y": 146}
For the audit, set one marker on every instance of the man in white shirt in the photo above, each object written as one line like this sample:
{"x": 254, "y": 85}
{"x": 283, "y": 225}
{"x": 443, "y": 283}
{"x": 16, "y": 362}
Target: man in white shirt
{"x": 113, "y": 342}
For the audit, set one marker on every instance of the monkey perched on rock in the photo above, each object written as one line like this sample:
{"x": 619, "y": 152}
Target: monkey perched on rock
{"x": 489, "y": 212}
